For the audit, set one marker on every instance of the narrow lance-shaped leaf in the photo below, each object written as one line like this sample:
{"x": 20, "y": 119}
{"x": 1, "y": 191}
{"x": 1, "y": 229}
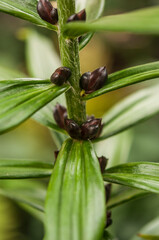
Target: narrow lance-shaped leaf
{"x": 39, "y": 46}
{"x": 149, "y": 231}
{"x": 126, "y": 196}
{"x": 21, "y": 98}
{"x": 94, "y": 10}
{"x": 144, "y": 21}
{"x": 128, "y": 77}
{"x": 14, "y": 169}
{"x": 75, "y": 204}
{"x": 26, "y": 191}
{"x": 142, "y": 175}
{"x": 26, "y": 10}
{"x": 132, "y": 110}
{"x": 118, "y": 148}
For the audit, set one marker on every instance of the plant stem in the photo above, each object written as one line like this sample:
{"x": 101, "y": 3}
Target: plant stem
{"x": 69, "y": 50}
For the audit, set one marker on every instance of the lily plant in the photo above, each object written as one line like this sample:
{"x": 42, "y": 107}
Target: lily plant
{"x": 76, "y": 203}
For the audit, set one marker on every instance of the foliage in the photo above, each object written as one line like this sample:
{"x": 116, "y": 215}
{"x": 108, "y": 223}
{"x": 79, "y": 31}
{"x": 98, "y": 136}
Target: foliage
{"x": 74, "y": 201}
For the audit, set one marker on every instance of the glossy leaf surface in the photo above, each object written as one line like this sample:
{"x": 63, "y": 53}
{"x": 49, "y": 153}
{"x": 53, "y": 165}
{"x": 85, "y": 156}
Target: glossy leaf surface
{"x": 25, "y": 10}
{"x": 142, "y": 175}
{"x": 128, "y": 77}
{"x": 14, "y": 169}
{"x": 21, "y": 98}
{"x": 130, "y": 111}
{"x": 143, "y": 21}
{"x": 75, "y": 204}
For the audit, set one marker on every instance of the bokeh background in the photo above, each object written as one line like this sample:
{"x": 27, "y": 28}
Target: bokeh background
{"x": 33, "y": 141}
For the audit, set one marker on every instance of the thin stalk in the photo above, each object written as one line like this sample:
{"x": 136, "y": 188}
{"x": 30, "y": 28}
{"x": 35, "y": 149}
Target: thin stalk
{"x": 69, "y": 50}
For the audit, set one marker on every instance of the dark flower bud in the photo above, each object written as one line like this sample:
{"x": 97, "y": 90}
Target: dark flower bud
{"x": 54, "y": 15}
{"x": 60, "y": 76}
{"x": 47, "y": 12}
{"x": 60, "y": 114}
{"x": 84, "y": 80}
{"x": 90, "y": 128}
{"x": 103, "y": 162}
{"x": 89, "y": 118}
{"x": 109, "y": 220}
{"x": 56, "y": 154}
{"x": 108, "y": 188}
{"x": 81, "y": 16}
{"x": 73, "y": 128}
{"x": 94, "y": 81}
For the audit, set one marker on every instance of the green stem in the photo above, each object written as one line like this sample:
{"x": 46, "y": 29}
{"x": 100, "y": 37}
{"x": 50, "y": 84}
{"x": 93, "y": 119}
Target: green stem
{"x": 69, "y": 50}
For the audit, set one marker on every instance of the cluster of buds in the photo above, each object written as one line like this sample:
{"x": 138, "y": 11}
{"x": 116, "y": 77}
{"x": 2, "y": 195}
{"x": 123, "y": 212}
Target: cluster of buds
{"x": 47, "y": 12}
{"x": 60, "y": 76}
{"x": 92, "y": 81}
{"x": 88, "y": 130}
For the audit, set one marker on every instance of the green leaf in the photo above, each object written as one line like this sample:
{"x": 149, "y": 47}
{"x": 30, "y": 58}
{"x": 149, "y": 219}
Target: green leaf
{"x": 149, "y": 231}
{"x": 142, "y": 175}
{"x": 118, "y": 148}
{"x": 27, "y": 192}
{"x": 39, "y": 67}
{"x": 75, "y": 203}
{"x": 15, "y": 169}
{"x": 21, "y": 98}
{"x": 128, "y": 77}
{"x": 25, "y": 10}
{"x": 143, "y": 21}
{"x": 125, "y": 196}
{"x": 94, "y": 10}
{"x": 132, "y": 110}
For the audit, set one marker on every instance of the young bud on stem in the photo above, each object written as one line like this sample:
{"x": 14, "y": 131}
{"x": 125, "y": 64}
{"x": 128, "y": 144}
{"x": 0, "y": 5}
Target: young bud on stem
{"x": 108, "y": 188}
{"x": 103, "y": 163}
{"x": 109, "y": 220}
{"x": 47, "y": 12}
{"x": 81, "y": 16}
{"x": 72, "y": 128}
{"x": 60, "y": 76}
{"x": 90, "y": 128}
{"x": 91, "y": 82}
{"x": 60, "y": 114}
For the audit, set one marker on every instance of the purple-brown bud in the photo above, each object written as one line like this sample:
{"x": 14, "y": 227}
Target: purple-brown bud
{"x": 47, "y": 12}
{"x": 60, "y": 114}
{"x": 109, "y": 220}
{"x": 90, "y": 128}
{"x": 73, "y": 128}
{"x": 56, "y": 154}
{"x": 81, "y": 16}
{"x": 103, "y": 163}
{"x": 108, "y": 188}
{"x": 60, "y": 76}
{"x": 91, "y": 82}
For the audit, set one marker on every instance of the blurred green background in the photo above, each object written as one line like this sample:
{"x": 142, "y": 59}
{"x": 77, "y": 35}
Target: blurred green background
{"x": 33, "y": 141}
